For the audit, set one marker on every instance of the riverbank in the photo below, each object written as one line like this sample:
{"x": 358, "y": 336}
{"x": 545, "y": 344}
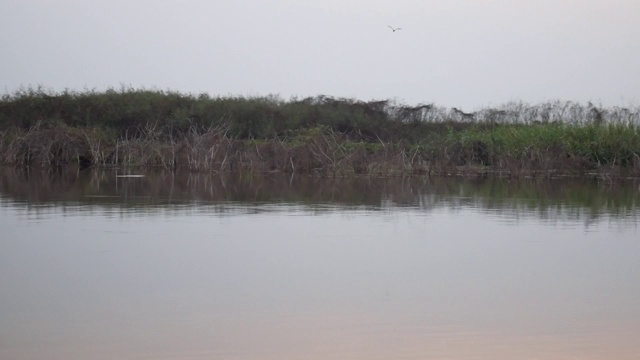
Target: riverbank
{"x": 319, "y": 136}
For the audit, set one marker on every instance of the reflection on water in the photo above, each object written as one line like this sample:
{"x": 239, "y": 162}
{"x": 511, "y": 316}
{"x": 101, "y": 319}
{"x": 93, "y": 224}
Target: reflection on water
{"x": 192, "y": 266}
{"x": 584, "y": 200}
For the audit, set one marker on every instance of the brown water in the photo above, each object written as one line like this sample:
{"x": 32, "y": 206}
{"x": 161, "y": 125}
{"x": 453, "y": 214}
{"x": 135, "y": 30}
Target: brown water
{"x": 204, "y": 267}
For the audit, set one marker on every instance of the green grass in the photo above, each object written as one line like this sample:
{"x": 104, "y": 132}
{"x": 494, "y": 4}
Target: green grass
{"x": 319, "y": 135}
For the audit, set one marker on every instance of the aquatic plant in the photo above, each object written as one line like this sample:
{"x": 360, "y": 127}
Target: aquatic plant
{"x": 318, "y": 135}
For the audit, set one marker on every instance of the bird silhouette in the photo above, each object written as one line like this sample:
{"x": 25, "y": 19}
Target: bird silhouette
{"x": 394, "y": 29}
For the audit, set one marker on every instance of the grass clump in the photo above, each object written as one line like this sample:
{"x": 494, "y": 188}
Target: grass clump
{"x": 318, "y": 135}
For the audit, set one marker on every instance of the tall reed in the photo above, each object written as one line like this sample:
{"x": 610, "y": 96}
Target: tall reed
{"x": 319, "y": 135}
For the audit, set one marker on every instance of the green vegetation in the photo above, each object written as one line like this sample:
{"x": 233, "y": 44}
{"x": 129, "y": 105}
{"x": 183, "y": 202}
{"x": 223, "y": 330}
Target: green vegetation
{"x": 318, "y": 135}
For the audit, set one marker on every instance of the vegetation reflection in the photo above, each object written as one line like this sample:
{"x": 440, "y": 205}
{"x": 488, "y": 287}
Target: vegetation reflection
{"x": 229, "y": 193}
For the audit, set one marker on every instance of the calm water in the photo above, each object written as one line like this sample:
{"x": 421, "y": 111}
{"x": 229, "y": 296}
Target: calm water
{"x": 204, "y": 267}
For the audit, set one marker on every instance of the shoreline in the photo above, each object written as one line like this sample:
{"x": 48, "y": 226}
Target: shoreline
{"x": 321, "y": 136}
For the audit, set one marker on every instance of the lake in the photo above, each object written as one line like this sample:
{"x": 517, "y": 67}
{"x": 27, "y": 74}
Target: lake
{"x": 193, "y": 266}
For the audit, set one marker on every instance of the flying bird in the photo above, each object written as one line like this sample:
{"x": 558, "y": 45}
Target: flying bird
{"x": 394, "y": 29}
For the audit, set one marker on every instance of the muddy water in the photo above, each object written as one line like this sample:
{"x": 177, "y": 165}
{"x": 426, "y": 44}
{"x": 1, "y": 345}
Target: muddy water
{"x": 189, "y": 266}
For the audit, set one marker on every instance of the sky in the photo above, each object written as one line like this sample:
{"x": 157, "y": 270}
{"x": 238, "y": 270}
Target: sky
{"x": 468, "y": 54}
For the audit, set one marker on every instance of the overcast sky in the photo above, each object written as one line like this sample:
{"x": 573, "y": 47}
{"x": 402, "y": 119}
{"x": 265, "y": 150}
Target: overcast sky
{"x": 463, "y": 53}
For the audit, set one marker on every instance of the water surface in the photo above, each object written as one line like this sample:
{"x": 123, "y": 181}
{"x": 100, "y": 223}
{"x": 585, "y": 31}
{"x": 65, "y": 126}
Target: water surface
{"x": 188, "y": 266}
